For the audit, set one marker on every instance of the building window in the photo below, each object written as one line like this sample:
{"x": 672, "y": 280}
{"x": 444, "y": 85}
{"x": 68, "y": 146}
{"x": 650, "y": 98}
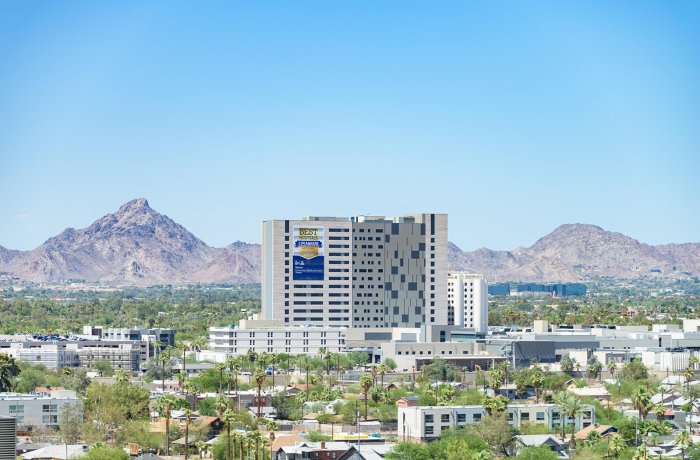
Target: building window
{"x": 476, "y": 417}
{"x": 540, "y": 416}
{"x": 445, "y": 418}
{"x": 461, "y": 418}
{"x": 429, "y": 431}
{"x": 428, "y": 418}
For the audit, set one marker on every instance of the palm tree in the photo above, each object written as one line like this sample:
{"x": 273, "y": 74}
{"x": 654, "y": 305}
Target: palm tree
{"x": 366, "y": 382}
{"x": 228, "y": 417}
{"x": 537, "y": 379}
{"x": 192, "y": 386}
{"x": 683, "y": 440}
{"x": 188, "y": 420}
{"x": 383, "y": 369}
{"x": 272, "y": 361}
{"x": 163, "y": 406}
{"x": 612, "y": 367}
{"x": 616, "y": 444}
{"x": 121, "y": 376}
{"x": 642, "y": 401}
{"x": 688, "y": 373}
{"x": 163, "y": 358}
{"x": 574, "y": 408}
{"x": 495, "y": 404}
{"x": 259, "y": 381}
{"x": 562, "y": 401}
{"x": 252, "y": 356}
{"x": 220, "y": 368}
{"x": 183, "y": 347}
{"x": 202, "y": 447}
{"x": 693, "y": 361}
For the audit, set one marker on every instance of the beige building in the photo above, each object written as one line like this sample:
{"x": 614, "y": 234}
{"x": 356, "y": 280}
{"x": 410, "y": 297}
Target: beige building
{"x": 365, "y": 271}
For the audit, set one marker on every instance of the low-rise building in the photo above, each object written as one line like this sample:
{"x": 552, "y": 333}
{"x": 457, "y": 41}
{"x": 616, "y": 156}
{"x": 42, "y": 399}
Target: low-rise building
{"x": 424, "y": 423}
{"x": 35, "y": 410}
{"x": 293, "y": 340}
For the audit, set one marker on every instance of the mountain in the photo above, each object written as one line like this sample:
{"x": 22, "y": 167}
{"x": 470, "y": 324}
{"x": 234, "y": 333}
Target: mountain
{"x": 138, "y": 246}
{"x": 579, "y": 252}
{"x": 134, "y": 246}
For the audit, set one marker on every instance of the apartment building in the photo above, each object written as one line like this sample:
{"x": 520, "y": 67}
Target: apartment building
{"x": 58, "y": 352}
{"x": 467, "y": 301}
{"x": 275, "y": 339}
{"x": 365, "y": 271}
{"x": 32, "y": 410}
{"x": 423, "y": 423}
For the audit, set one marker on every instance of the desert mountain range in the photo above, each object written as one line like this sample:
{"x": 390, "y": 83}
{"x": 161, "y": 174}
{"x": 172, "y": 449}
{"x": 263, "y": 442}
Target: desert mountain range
{"x": 138, "y": 246}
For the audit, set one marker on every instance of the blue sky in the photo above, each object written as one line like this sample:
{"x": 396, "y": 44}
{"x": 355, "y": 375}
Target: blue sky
{"x": 513, "y": 117}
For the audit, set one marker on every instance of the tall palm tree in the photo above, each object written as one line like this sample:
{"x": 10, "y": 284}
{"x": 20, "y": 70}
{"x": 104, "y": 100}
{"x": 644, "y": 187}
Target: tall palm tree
{"x": 188, "y": 420}
{"x": 683, "y": 440}
{"x": 163, "y": 406}
{"x": 220, "y": 368}
{"x": 688, "y": 374}
{"x": 537, "y": 379}
{"x": 228, "y": 417}
{"x": 612, "y": 367}
{"x": 366, "y": 382}
{"x": 273, "y": 360}
{"x": 251, "y": 356}
{"x": 183, "y": 347}
{"x": 163, "y": 359}
{"x": 642, "y": 401}
{"x": 383, "y": 369}
{"x": 562, "y": 401}
{"x": 574, "y": 408}
{"x": 260, "y": 378}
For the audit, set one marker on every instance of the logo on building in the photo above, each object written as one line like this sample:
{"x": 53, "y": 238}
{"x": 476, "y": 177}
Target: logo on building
{"x": 307, "y": 256}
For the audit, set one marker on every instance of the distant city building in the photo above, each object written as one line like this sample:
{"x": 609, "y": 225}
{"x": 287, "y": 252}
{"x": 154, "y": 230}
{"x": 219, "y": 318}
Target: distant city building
{"x": 31, "y": 410}
{"x": 423, "y": 423}
{"x": 556, "y": 290}
{"x": 365, "y": 271}
{"x": 166, "y": 337}
{"x": 467, "y": 301}
{"x": 499, "y": 289}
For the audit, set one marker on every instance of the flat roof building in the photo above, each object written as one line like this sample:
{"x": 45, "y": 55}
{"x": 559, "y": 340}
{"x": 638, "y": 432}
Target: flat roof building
{"x": 365, "y": 271}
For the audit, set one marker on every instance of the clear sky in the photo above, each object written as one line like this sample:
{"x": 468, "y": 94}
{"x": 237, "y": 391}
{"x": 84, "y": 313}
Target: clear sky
{"x": 513, "y": 117}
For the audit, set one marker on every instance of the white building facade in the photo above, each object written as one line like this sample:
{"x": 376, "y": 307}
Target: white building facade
{"x": 467, "y": 301}
{"x": 423, "y": 423}
{"x": 365, "y": 271}
{"x": 37, "y": 410}
{"x": 291, "y": 340}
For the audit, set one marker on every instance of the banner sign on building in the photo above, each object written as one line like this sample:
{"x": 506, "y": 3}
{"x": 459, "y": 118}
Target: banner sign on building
{"x": 307, "y": 256}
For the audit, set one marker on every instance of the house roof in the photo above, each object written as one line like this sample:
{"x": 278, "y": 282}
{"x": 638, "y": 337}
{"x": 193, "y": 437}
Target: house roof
{"x": 286, "y": 440}
{"x": 536, "y": 440}
{"x": 601, "y": 429}
{"x": 57, "y": 452}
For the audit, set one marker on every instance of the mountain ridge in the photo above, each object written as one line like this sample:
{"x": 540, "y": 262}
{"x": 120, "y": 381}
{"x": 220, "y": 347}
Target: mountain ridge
{"x": 137, "y": 245}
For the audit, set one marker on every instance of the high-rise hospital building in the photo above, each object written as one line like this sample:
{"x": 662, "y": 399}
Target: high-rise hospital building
{"x": 364, "y": 271}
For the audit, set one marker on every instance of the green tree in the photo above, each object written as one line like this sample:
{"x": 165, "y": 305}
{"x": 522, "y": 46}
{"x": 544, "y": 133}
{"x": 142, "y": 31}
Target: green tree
{"x": 616, "y": 444}
{"x": 574, "y": 408}
{"x": 634, "y": 370}
{"x": 537, "y": 453}
{"x": 103, "y": 367}
{"x": 71, "y": 428}
{"x": 366, "y": 382}
{"x": 496, "y": 432}
{"x": 259, "y": 378}
{"x": 566, "y": 364}
{"x": 390, "y": 363}
{"x": 641, "y": 399}
{"x": 683, "y": 440}
{"x": 408, "y": 451}
{"x": 9, "y": 370}
{"x": 101, "y": 452}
